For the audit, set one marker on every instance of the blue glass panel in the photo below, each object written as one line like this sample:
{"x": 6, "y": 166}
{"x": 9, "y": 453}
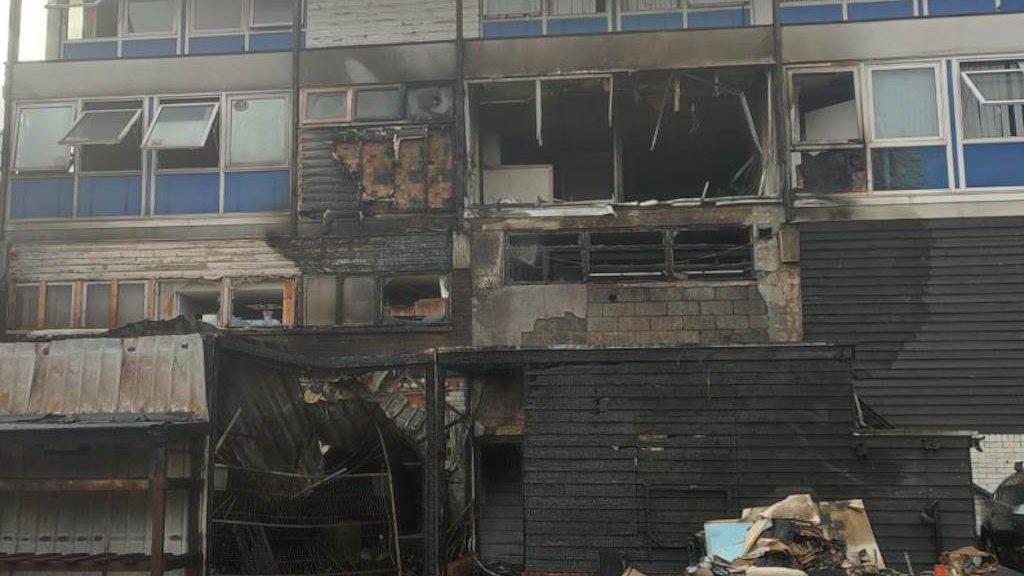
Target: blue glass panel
{"x": 187, "y": 193}
{"x": 41, "y": 198}
{"x": 512, "y": 28}
{"x": 90, "y": 50}
{"x": 109, "y": 195}
{"x": 145, "y": 48}
{"x": 732, "y": 18}
{"x": 270, "y": 42}
{"x": 912, "y": 168}
{"x": 880, "y": 10}
{"x": 257, "y": 191}
{"x": 652, "y": 22}
{"x": 216, "y": 45}
{"x": 811, "y": 13}
{"x": 577, "y": 26}
{"x": 996, "y": 164}
{"x": 956, "y": 7}
{"x": 1013, "y": 6}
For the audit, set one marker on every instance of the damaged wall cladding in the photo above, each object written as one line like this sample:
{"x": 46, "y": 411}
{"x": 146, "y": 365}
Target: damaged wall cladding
{"x": 632, "y": 454}
{"x": 670, "y": 292}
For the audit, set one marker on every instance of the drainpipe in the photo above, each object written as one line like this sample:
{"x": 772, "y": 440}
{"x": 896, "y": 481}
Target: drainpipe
{"x": 296, "y": 62}
{"x": 13, "y": 38}
{"x": 782, "y": 136}
{"x": 460, "y": 117}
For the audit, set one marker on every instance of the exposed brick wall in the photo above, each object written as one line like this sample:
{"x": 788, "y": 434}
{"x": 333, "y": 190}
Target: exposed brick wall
{"x": 990, "y": 467}
{"x": 706, "y": 313}
{"x": 356, "y": 22}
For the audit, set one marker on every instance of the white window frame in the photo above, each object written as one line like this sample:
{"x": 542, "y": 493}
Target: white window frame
{"x": 959, "y": 105}
{"x": 349, "y": 105}
{"x": 940, "y": 106}
{"x": 123, "y": 34}
{"x": 246, "y": 26}
{"x": 226, "y": 160}
{"x": 686, "y": 7}
{"x": 794, "y": 115}
{"x": 545, "y": 16}
{"x": 123, "y": 25}
{"x": 117, "y": 140}
{"x": 273, "y": 25}
{"x": 194, "y": 30}
{"x": 40, "y": 171}
{"x": 966, "y": 78}
{"x": 146, "y": 145}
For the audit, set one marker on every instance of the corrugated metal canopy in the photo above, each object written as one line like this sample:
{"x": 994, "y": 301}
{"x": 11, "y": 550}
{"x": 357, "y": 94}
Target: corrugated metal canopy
{"x": 157, "y": 378}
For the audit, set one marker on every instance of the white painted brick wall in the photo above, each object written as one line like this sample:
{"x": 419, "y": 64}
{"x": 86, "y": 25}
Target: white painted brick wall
{"x": 358, "y": 22}
{"x": 992, "y": 466}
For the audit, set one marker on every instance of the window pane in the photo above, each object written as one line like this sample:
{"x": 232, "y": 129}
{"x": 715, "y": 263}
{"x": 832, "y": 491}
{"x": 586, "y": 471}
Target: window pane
{"x": 272, "y": 12}
{"x": 358, "y": 300}
{"x": 26, "y": 308}
{"x": 511, "y": 7}
{"x": 829, "y": 171}
{"x": 1000, "y": 86}
{"x": 39, "y": 134}
{"x": 58, "y": 306}
{"x": 217, "y": 14}
{"x": 567, "y": 7}
{"x": 989, "y": 120}
{"x": 97, "y": 305}
{"x": 321, "y": 301}
{"x": 905, "y": 103}
{"x": 645, "y": 5}
{"x": 326, "y": 105}
{"x": 151, "y": 16}
{"x": 92, "y": 21}
{"x": 826, "y": 106}
{"x": 258, "y": 131}
{"x": 384, "y": 104}
{"x": 131, "y": 303}
{"x": 101, "y": 127}
{"x": 257, "y": 305}
{"x": 181, "y": 126}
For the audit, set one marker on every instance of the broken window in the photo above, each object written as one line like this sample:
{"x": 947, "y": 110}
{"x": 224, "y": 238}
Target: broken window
{"x": 59, "y": 300}
{"x": 350, "y": 301}
{"x": 108, "y": 136}
{"x": 325, "y": 105}
{"x": 692, "y": 134}
{"x": 258, "y": 305}
{"x": 992, "y": 99}
{"x": 97, "y": 305}
{"x": 541, "y": 258}
{"x": 828, "y": 153}
{"x": 267, "y": 13}
{"x": 415, "y": 298}
{"x": 25, "y": 308}
{"x": 40, "y": 129}
{"x": 545, "y": 141}
{"x": 92, "y": 19}
{"x": 151, "y": 16}
{"x": 378, "y": 104}
{"x": 219, "y": 15}
{"x": 196, "y": 301}
{"x": 257, "y": 132}
{"x": 185, "y": 134}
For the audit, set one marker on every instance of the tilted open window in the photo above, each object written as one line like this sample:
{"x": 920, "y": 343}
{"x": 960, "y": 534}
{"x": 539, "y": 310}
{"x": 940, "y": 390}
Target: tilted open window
{"x": 185, "y": 125}
{"x": 992, "y": 99}
{"x": 996, "y": 86}
{"x": 102, "y": 127}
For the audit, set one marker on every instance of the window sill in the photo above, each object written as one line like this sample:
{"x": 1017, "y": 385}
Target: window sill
{"x": 150, "y": 221}
{"x": 437, "y": 327}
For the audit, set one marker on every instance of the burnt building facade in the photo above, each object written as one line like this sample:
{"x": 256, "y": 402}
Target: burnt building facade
{"x": 639, "y": 236}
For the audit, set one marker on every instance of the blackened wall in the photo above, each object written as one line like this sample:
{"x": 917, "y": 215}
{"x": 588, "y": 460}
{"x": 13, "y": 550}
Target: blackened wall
{"x": 634, "y": 451}
{"x": 935, "y": 309}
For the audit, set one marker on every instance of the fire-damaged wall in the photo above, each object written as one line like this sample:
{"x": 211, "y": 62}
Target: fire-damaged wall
{"x": 631, "y": 452}
{"x": 760, "y": 303}
{"x": 353, "y": 171}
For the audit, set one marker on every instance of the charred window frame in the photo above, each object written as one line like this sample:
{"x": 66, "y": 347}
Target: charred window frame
{"x": 354, "y": 301}
{"x": 628, "y": 255}
{"x": 214, "y": 301}
{"x": 260, "y": 304}
{"x": 78, "y": 305}
{"x": 425, "y": 103}
{"x": 545, "y": 11}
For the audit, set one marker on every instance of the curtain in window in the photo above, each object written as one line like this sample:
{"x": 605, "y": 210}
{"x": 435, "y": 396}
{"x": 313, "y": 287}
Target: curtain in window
{"x": 511, "y": 7}
{"x": 568, "y": 7}
{"x": 905, "y": 103}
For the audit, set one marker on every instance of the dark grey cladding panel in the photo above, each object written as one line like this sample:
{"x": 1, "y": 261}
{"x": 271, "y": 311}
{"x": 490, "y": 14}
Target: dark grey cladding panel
{"x": 935, "y": 309}
{"x": 151, "y": 76}
{"x": 324, "y": 182}
{"x": 356, "y": 252}
{"x": 921, "y": 37}
{"x": 390, "y": 64}
{"x": 624, "y": 51}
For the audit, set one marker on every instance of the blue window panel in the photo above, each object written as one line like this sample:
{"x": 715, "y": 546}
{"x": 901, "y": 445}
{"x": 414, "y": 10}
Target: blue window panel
{"x": 146, "y": 48}
{"x": 956, "y": 7}
{"x": 41, "y": 198}
{"x": 880, "y": 10}
{"x": 577, "y": 26}
{"x": 109, "y": 195}
{"x": 90, "y": 50}
{"x": 1013, "y": 6}
{"x": 911, "y": 168}
{"x": 187, "y": 193}
{"x": 216, "y": 45}
{"x": 257, "y": 191}
{"x": 276, "y": 41}
{"x": 732, "y": 18}
{"x": 998, "y": 164}
{"x": 636, "y": 22}
{"x": 811, "y": 13}
{"x": 513, "y": 28}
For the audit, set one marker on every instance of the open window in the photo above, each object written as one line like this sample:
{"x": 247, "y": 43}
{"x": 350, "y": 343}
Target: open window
{"x": 185, "y": 134}
{"x": 992, "y": 99}
{"x": 997, "y": 86}
{"x": 260, "y": 305}
{"x": 828, "y": 153}
{"x": 415, "y": 298}
{"x": 40, "y": 130}
{"x": 197, "y": 301}
{"x": 545, "y": 141}
{"x": 108, "y": 136}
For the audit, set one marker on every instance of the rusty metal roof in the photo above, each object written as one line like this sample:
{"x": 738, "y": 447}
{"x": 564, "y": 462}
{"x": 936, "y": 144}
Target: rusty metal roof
{"x": 94, "y": 378}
